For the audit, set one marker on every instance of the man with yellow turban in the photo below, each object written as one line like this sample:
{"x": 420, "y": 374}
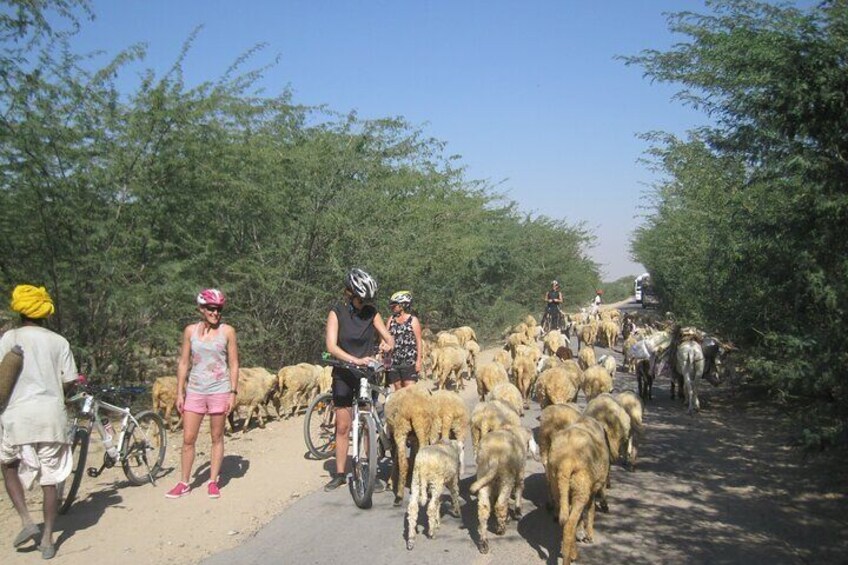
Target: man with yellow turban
{"x": 33, "y": 428}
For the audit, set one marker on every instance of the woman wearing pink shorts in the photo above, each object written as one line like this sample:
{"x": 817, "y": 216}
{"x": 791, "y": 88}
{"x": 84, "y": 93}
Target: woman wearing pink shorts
{"x": 210, "y": 349}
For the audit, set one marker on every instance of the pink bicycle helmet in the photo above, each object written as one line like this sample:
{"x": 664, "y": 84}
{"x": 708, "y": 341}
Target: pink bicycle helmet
{"x": 211, "y": 297}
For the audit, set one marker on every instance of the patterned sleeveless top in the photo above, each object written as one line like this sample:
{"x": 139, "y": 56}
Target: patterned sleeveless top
{"x": 405, "y": 352}
{"x": 210, "y": 372}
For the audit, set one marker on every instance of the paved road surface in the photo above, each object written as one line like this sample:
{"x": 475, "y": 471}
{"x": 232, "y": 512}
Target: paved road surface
{"x": 721, "y": 487}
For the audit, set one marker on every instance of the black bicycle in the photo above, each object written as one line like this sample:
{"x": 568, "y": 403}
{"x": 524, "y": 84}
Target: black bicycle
{"x": 139, "y": 446}
{"x": 552, "y": 320}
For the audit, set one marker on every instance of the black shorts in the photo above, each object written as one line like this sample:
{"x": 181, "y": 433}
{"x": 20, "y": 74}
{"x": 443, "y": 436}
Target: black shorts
{"x": 345, "y": 387}
{"x": 398, "y": 374}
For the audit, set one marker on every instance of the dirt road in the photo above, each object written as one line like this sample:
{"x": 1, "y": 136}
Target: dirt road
{"x": 722, "y": 487}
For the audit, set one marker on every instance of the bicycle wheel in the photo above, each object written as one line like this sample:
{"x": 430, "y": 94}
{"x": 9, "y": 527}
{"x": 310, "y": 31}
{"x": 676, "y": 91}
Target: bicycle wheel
{"x": 319, "y": 426}
{"x": 364, "y": 462}
{"x": 79, "y": 451}
{"x": 143, "y": 451}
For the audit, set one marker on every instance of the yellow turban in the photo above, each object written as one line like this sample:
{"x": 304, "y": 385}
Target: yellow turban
{"x": 32, "y": 301}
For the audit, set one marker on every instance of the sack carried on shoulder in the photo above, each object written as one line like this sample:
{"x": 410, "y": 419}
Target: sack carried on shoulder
{"x": 10, "y": 370}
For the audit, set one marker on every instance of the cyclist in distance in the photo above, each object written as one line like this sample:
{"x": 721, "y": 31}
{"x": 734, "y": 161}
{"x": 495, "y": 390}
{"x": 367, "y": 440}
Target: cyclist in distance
{"x": 553, "y": 299}
{"x": 210, "y": 349}
{"x": 33, "y": 428}
{"x": 353, "y": 328}
{"x": 406, "y": 329}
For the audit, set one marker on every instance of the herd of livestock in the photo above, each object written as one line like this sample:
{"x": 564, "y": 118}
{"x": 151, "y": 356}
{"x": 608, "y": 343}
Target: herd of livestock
{"x": 428, "y": 422}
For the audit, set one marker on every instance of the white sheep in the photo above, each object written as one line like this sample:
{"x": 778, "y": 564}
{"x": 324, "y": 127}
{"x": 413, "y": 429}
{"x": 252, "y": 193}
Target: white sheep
{"x": 609, "y": 363}
{"x": 436, "y": 466}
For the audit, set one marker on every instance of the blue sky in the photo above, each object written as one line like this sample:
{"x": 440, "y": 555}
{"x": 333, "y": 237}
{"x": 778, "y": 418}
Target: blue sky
{"x": 528, "y": 93}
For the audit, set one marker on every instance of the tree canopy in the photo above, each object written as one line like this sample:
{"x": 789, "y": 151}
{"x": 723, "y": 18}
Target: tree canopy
{"x": 126, "y": 204}
{"x": 746, "y": 233}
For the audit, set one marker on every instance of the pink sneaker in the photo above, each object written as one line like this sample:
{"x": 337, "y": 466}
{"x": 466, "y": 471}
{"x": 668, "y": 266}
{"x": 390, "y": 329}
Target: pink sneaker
{"x": 213, "y": 490}
{"x": 182, "y": 489}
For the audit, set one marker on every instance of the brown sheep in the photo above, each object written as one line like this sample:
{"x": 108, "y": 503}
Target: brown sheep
{"x": 444, "y": 339}
{"x": 609, "y": 331}
{"x": 464, "y": 334}
{"x": 501, "y": 460}
{"x": 408, "y": 412}
{"x": 631, "y": 403}
{"x": 587, "y": 334}
{"x": 524, "y": 369}
{"x": 555, "y": 386}
{"x": 509, "y": 394}
{"x": 473, "y": 349}
{"x": 577, "y": 471}
{"x": 614, "y": 419}
{"x": 586, "y": 357}
{"x": 488, "y": 376}
{"x": 490, "y": 416}
{"x": 449, "y": 361}
{"x": 504, "y": 358}
{"x": 450, "y": 416}
{"x": 555, "y": 418}
{"x": 256, "y": 386}
{"x": 164, "y": 393}
{"x": 297, "y": 386}
{"x": 596, "y": 380}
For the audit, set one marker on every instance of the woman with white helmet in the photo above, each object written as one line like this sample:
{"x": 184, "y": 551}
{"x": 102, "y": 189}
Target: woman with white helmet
{"x": 210, "y": 349}
{"x": 353, "y": 327}
{"x": 406, "y": 329}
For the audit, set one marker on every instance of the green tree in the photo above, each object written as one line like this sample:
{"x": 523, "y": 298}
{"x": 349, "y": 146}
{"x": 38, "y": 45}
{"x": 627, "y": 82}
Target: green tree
{"x": 746, "y": 233}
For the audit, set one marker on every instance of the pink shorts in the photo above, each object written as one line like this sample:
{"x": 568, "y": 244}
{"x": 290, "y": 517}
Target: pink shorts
{"x": 206, "y": 403}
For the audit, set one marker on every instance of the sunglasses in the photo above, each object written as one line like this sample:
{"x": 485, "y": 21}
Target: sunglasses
{"x": 213, "y": 308}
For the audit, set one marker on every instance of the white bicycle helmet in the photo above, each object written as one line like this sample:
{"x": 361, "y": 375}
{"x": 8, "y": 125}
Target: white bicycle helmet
{"x": 361, "y": 284}
{"x": 402, "y": 297}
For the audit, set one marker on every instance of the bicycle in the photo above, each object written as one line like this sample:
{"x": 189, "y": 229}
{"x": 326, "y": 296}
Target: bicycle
{"x": 142, "y": 439}
{"x": 369, "y": 438}
{"x": 319, "y": 426}
{"x": 552, "y": 320}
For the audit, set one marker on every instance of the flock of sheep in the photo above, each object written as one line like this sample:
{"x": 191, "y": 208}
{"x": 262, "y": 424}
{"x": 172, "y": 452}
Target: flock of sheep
{"x": 576, "y": 446}
{"x": 431, "y": 420}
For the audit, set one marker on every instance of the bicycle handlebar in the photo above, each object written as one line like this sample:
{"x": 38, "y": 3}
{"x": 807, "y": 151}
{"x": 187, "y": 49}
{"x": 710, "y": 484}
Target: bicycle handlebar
{"x": 370, "y": 371}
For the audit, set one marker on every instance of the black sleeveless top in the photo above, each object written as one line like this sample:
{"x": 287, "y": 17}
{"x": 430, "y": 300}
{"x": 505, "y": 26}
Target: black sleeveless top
{"x": 357, "y": 334}
{"x": 551, "y": 295}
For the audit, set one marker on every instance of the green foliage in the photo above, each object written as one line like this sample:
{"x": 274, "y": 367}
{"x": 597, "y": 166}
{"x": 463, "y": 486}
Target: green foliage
{"x": 124, "y": 206}
{"x": 746, "y": 233}
{"x": 619, "y": 289}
